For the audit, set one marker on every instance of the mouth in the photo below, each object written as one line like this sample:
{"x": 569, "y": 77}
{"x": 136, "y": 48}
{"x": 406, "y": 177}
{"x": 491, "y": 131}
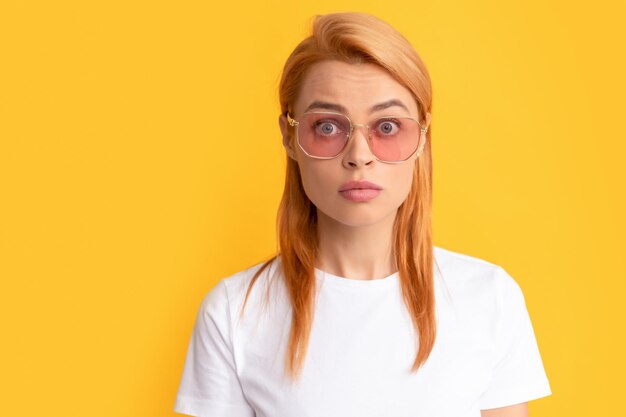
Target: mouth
{"x": 360, "y": 194}
{"x": 359, "y": 191}
{"x": 359, "y": 185}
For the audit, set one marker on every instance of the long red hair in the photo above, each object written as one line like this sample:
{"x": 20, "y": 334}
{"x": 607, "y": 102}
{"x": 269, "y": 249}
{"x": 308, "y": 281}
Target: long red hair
{"x": 356, "y": 38}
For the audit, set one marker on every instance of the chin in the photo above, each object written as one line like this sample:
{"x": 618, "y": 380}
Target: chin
{"x": 355, "y": 217}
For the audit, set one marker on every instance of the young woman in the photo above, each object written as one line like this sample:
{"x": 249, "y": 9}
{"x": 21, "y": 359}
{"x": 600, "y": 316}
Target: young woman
{"x": 358, "y": 314}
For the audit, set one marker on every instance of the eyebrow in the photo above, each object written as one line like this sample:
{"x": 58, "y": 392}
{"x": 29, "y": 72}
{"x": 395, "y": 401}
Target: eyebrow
{"x": 387, "y": 104}
{"x": 326, "y": 106}
{"x": 338, "y": 107}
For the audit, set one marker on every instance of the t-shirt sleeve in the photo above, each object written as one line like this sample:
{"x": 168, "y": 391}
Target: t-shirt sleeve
{"x": 210, "y": 386}
{"x": 518, "y": 375}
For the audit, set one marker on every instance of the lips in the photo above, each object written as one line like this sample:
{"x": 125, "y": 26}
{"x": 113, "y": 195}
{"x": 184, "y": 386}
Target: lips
{"x": 359, "y": 191}
{"x": 359, "y": 185}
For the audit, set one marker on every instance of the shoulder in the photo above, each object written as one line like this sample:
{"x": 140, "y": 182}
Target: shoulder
{"x": 237, "y": 284}
{"x": 468, "y": 275}
{"x": 482, "y": 307}
{"x": 481, "y": 296}
{"x": 230, "y": 291}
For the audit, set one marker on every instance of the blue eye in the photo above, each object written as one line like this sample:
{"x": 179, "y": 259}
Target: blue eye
{"x": 388, "y": 127}
{"x": 327, "y": 128}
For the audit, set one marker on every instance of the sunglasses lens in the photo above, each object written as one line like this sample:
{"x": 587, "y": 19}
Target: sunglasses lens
{"x": 322, "y": 134}
{"x": 394, "y": 139}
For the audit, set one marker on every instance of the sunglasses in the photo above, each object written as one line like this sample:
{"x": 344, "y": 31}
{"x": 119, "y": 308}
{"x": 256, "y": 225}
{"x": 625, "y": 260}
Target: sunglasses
{"x": 325, "y": 135}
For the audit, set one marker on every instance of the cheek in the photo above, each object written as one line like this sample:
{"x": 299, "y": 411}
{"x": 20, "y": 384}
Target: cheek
{"x": 403, "y": 182}
{"x": 317, "y": 183}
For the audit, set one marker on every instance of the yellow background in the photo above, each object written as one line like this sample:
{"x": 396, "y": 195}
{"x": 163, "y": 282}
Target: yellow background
{"x": 140, "y": 162}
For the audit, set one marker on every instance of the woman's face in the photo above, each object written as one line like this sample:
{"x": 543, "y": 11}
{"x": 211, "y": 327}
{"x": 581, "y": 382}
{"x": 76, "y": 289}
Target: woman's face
{"x": 363, "y": 92}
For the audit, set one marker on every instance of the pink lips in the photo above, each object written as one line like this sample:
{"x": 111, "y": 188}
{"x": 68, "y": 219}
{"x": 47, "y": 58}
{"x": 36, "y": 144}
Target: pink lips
{"x": 359, "y": 190}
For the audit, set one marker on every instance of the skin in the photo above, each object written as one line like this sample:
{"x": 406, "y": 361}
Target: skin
{"x": 518, "y": 410}
{"x": 355, "y": 238}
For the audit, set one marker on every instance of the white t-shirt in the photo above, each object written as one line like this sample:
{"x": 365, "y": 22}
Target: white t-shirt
{"x": 362, "y": 346}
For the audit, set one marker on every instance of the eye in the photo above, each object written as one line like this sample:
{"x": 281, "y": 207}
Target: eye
{"x": 327, "y": 128}
{"x": 388, "y": 127}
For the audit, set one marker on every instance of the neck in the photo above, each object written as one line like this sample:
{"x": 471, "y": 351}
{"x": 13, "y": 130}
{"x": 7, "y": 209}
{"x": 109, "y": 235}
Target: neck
{"x": 363, "y": 252}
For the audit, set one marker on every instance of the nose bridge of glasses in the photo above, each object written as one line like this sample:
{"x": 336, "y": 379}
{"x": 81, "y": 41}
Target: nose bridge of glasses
{"x": 361, "y": 125}
{"x": 366, "y": 135}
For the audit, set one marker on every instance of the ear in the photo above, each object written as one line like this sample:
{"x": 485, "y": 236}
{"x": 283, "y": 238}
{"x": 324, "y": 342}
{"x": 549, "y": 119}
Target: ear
{"x": 427, "y": 117}
{"x": 423, "y": 135}
{"x": 284, "y": 130}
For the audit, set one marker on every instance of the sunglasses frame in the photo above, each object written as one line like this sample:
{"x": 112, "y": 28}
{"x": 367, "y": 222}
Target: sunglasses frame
{"x": 422, "y": 140}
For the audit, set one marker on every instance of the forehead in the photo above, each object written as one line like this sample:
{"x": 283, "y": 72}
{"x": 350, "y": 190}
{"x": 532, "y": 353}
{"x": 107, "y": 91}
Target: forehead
{"x": 356, "y": 87}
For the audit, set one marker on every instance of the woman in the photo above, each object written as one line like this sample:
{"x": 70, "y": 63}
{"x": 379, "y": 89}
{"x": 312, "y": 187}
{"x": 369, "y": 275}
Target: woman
{"x": 359, "y": 314}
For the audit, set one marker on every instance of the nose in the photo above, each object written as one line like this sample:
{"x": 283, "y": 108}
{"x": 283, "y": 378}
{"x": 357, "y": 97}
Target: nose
{"x": 358, "y": 153}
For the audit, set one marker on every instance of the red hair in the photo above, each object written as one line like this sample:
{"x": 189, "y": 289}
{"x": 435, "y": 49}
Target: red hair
{"x": 357, "y": 38}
